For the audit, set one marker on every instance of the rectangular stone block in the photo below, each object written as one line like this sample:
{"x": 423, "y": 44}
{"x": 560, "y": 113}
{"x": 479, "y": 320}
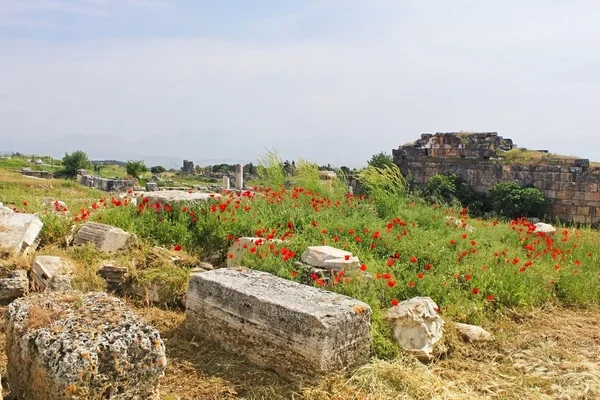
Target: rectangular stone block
{"x": 577, "y": 195}
{"x": 562, "y": 195}
{"x": 592, "y": 196}
{"x": 278, "y": 324}
{"x": 45, "y": 267}
{"x": 592, "y": 187}
{"x": 585, "y": 211}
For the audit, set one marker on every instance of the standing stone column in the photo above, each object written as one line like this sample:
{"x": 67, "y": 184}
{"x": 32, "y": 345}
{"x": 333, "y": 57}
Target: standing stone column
{"x": 239, "y": 177}
{"x": 225, "y": 183}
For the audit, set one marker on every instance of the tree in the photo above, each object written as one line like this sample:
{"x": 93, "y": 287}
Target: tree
{"x": 381, "y": 160}
{"x": 157, "y": 169}
{"x": 75, "y": 161}
{"x": 135, "y": 168}
{"x": 511, "y": 200}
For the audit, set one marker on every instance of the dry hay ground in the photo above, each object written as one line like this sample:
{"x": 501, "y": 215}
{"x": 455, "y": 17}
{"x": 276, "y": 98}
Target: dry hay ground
{"x": 548, "y": 353}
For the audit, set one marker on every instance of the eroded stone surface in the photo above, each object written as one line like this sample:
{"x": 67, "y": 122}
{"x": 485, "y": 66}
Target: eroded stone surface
{"x": 417, "y": 326}
{"x": 19, "y": 232}
{"x": 278, "y": 324}
{"x": 69, "y": 345}
{"x": 114, "y": 275}
{"x": 15, "y": 285}
{"x": 106, "y": 238}
{"x": 330, "y": 258}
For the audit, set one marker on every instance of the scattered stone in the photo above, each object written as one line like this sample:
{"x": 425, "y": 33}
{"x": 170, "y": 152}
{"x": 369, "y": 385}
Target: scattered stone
{"x": 329, "y": 258}
{"x": 107, "y": 238}
{"x": 240, "y": 247}
{"x": 473, "y": 333}
{"x": 151, "y": 187}
{"x": 417, "y": 327}
{"x": 279, "y": 324}
{"x": 542, "y": 227}
{"x": 5, "y": 210}
{"x": 15, "y": 285}
{"x": 19, "y": 232}
{"x": 45, "y": 268}
{"x": 69, "y": 345}
{"x": 114, "y": 276}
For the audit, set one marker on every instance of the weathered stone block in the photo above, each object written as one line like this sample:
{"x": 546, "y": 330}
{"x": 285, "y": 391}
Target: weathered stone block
{"x": 593, "y": 196}
{"x": 577, "y": 195}
{"x": 105, "y": 237}
{"x": 69, "y": 345}
{"x": 329, "y": 257}
{"x": 19, "y": 232}
{"x": 279, "y": 324}
{"x": 15, "y": 285}
{"x": 44, "y": 268}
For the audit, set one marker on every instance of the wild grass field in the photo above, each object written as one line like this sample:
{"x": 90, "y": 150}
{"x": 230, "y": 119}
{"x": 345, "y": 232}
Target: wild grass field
{"x": 536, "y": 293}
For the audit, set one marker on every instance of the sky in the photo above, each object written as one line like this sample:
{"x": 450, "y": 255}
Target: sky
{"x": 330, "y": 81}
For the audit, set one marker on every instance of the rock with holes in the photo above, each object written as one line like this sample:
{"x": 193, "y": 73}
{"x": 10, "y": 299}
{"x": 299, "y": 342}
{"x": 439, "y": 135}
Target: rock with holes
{"x": 45, "y": 268}
{"x": 473, "y": 333}
{"x": 417, "y": 327}
{"x": 106, "y": 238}
{"x": 70, "y": 345}
{"x": 329, "y": 258}
{"x": 241, "y": 246}
{"x": 19, "y": 232}
{"x": 278, "y": 324}
{"x": 15, "y": 285}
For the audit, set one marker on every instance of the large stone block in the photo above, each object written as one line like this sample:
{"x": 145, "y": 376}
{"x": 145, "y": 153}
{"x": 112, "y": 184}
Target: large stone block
{"x": 278, "y": 324}
{"x": 19, "y": 232}
{"x": 69, "y": 345}
{"x": 105, "y": 237}
{"x": 44, "y": 268}
{"x": 15, "y": 285}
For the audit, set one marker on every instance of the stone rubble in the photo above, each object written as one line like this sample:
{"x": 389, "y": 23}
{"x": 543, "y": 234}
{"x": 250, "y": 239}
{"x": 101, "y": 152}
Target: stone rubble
{"x": 114, "y": 276}
{"x": 417, "y": 327}
{"x": 278, "y": 324}
{"x": 542, "y": 227}
{"x": 69, "y": 345}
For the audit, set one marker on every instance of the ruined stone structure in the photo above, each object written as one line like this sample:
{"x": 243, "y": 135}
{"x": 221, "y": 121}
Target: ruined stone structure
{"x": 108, "y": 185}
{"x": 188, "y": 167}
{"x": 570, "y": 185}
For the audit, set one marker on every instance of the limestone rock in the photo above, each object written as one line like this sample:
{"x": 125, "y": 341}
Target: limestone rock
{"x": 329, "y": 258}
{"x": 240, "y": 247}
{"x": 542, "y": 227}
{"x": 278, "y": 324}
{"x": 69, "y": 345}
{"x": 417, "y": 327}
{"x": 19, "y": 232}
{"x": 15, "y": 285}
{"x": 44, "y": 268}
{"x": 107, "y": 238}
{"x": 473, "y": 333}
{"x": 57, "y": 205}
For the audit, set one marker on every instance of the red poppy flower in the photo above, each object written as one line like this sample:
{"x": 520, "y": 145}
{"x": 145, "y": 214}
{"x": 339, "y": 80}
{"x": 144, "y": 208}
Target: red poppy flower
{"x": 428, "y": 267}
{"x": 475, "y": 291}
{"x": 420, "y": 275}
{"x": 391, "y": 283}
{"x": 394, "y": 302}
{"x": 411, "y": 284}
{"x": 346, "y": 257}
{"x": 490, "y": 297}
{"x": 363, "y": 267}
{"x": 413, "y": 259}
{"x": 293, "y": 274}
{"x": 177, "y": 248}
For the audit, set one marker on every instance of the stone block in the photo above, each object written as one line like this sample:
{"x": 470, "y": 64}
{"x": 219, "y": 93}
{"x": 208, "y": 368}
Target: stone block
{"x": 19, "y": 233}
{"x": 592, "y": 187}
{"x": 583, "y": 211}
{"x": 473, "y": 333}
{"x": 577, "y": 195}
{"x": 592, "y": 196}
{"x": 562, "y": 195}
{"x": 69, "y": 345}
{"x": 241, "y": 246}
{"x": 44, "y": 268}
{"x": 15, "y": 285}
{"x": 330, "y": 258}
{"x": 106, "y": 238}
{"x": 114, "y": 276}
{"x": 278, "y": 324}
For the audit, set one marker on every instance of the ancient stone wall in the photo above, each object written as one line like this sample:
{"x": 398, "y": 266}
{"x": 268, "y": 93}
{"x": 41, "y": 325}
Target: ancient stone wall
{"x": 571, "y": 186}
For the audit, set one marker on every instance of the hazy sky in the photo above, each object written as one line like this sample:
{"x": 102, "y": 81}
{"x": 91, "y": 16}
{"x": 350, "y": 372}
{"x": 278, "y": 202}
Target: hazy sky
{"x": 327, "y": 80}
